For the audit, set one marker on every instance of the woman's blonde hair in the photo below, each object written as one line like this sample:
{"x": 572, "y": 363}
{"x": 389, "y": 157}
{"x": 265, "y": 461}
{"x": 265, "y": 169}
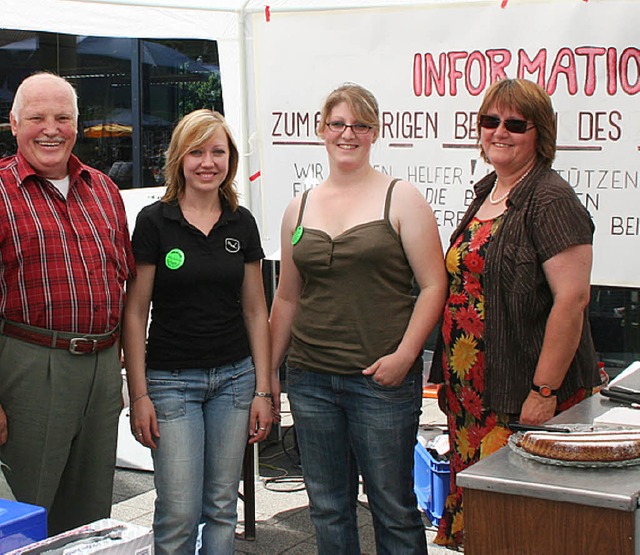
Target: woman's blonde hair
{"x": 533, "y": 102}
{"x": 361, "y": 102}
{"x": 192, "y": 131}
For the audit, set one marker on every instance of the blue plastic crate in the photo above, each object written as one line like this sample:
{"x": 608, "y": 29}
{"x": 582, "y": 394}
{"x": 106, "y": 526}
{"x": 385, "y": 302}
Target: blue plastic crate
{"x": 21, "y": 524}
{"x": 430, "y": 483}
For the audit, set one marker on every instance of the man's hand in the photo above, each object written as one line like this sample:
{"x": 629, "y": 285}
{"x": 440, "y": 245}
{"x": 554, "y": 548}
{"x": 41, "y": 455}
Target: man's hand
{"x": 4, "y": 432}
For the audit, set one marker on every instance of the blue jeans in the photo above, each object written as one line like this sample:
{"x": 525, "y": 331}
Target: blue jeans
{"x": 203, "y": 417}
{"x": 350, "y": 423}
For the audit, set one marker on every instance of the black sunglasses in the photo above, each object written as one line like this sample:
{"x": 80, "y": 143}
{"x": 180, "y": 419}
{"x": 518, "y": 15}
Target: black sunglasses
{"x": 512, "y": 125}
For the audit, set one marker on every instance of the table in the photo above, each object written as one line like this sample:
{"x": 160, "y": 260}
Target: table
{"x": 516, "y": 506}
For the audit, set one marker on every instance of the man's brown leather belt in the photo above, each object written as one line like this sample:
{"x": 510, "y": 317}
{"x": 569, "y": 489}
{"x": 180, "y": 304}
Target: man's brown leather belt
{"x": 80, "y": 345}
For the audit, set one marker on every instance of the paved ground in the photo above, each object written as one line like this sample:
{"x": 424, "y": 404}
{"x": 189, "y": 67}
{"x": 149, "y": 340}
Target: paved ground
{"x": 282, "y": 516}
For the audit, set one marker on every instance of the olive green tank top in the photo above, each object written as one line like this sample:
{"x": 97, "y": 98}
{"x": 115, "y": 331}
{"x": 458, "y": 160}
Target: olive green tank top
{"x": 356, "y": 298}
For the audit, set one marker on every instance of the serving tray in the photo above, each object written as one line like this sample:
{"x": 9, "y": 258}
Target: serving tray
{"x": 515, "y": 439}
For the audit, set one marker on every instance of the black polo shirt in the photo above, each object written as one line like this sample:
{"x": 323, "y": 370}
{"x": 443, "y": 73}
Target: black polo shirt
{"x": 196, "y": 315}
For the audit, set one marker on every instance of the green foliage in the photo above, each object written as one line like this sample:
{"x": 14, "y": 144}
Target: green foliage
{"x": 202, "y": 94}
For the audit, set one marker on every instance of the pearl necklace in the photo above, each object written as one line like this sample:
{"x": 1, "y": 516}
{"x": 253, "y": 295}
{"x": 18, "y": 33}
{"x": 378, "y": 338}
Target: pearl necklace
{"x": 495, "y": 201}
{"x": 498, "y": 200}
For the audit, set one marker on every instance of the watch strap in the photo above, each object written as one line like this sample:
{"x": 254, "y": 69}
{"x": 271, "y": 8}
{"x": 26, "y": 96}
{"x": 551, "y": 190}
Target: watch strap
{"x": 544, "y": 390}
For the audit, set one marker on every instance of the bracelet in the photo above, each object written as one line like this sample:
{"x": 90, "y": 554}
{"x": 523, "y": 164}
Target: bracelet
{"x": 263, "y": 394}
{"x": 131, "y": 403}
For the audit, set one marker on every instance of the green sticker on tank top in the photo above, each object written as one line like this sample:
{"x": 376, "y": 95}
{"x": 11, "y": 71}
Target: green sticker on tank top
{"x": 297, "y": 234}
{"x": 174, "y": 259}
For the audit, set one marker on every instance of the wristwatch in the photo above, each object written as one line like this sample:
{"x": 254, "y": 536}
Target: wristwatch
{"x": 544, "y": 390}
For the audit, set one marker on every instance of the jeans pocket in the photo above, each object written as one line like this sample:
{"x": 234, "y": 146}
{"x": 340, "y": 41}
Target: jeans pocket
{"x": 244, "y": 383}
{"x": 168, "y": 397}
{"x": 398, "y": 393}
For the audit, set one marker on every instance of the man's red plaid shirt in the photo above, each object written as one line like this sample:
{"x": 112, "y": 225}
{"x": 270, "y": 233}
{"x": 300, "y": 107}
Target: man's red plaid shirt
{"x": 63, "y": 263}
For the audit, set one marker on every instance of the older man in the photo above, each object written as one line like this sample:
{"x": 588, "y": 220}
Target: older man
{"x": 64, "y": 258}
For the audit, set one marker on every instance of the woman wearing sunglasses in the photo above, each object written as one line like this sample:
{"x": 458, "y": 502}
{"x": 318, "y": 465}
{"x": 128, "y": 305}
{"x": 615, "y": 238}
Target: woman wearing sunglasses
{"x": 344, "y": 309}
{"x": 515, "y": 342}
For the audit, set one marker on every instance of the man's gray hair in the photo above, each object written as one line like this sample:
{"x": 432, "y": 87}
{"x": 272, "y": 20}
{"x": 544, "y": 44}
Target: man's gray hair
{"x": 18, "y": 100}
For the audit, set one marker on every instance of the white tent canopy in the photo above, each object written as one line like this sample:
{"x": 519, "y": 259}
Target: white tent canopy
{"x": 428, "y": 62}
{"x": 220, "y": 20}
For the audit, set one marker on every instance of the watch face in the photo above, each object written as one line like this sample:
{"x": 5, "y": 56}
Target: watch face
{"x": 543, "y": 390}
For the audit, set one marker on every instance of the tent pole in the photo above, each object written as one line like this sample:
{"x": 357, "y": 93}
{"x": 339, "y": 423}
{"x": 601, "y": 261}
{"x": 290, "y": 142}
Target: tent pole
{"x": 244, "y": 108}
{"x": 251, "y": 462}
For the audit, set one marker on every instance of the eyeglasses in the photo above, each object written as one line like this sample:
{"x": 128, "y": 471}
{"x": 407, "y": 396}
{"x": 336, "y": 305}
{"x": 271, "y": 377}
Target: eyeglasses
{"x": 357, "y": 128}
{"x": 512, "y": 125}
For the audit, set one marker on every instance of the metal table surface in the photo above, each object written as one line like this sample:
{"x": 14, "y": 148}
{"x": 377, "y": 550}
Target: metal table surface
{"x": 509, "y": 473}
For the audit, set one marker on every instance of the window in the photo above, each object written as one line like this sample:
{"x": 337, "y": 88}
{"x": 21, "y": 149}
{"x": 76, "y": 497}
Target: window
{"x": 614, "y": 314}
{"x": 131, "y": 92}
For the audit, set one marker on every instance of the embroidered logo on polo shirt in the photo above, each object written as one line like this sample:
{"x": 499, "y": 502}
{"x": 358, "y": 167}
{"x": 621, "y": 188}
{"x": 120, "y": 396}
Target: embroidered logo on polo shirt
{"x": 232, "y": 245}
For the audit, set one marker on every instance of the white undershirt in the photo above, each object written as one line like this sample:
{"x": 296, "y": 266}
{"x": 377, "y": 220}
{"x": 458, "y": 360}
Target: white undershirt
{"x": 61, "y": 184}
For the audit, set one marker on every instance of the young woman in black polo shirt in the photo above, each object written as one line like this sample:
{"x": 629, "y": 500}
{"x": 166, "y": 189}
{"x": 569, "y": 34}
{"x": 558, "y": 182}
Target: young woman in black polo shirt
{"x": 205, "y": 386}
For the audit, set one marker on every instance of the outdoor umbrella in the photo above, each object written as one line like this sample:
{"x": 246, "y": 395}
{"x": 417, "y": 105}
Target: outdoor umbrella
{"x": 101, "y": 130}
{"x": 153, "y": 53}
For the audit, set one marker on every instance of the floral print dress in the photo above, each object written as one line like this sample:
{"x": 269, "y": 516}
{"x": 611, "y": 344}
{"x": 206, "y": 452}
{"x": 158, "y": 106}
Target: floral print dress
{"x": 474, "y": 430}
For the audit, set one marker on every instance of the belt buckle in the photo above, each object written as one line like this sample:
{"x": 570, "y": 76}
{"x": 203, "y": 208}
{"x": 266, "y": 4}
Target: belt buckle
{"x": 77, "y": 341}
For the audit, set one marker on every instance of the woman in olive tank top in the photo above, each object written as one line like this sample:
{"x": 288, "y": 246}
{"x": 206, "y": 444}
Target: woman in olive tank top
{"x": 354, "y": 333}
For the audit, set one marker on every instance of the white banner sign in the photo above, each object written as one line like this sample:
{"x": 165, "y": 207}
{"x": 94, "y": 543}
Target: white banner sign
{"x": 429, "y": 68}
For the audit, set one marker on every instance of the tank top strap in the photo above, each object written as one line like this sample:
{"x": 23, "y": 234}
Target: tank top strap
{"x": 387, "y": 201}
{"x": 303, "y": 203}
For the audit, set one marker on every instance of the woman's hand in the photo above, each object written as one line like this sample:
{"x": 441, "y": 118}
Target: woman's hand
{"x": 261, "y": 419}
{"x": 144, "y": 425}
{"x": 276, "y": 389}
{"x": 537, "y": 409}
{"x": 389, "y": 370}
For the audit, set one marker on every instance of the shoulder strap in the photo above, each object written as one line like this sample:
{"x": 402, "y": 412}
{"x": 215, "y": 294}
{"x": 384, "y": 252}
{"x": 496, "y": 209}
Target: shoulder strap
{"x": 387, "y": 202}
{"x": 303, "y": 203}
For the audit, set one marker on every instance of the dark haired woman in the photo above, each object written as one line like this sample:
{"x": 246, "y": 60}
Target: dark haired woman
{"x": 515, "y": 333}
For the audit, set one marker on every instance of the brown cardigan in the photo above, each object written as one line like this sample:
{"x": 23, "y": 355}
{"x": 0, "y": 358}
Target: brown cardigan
{"x": 543, "y": 218}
